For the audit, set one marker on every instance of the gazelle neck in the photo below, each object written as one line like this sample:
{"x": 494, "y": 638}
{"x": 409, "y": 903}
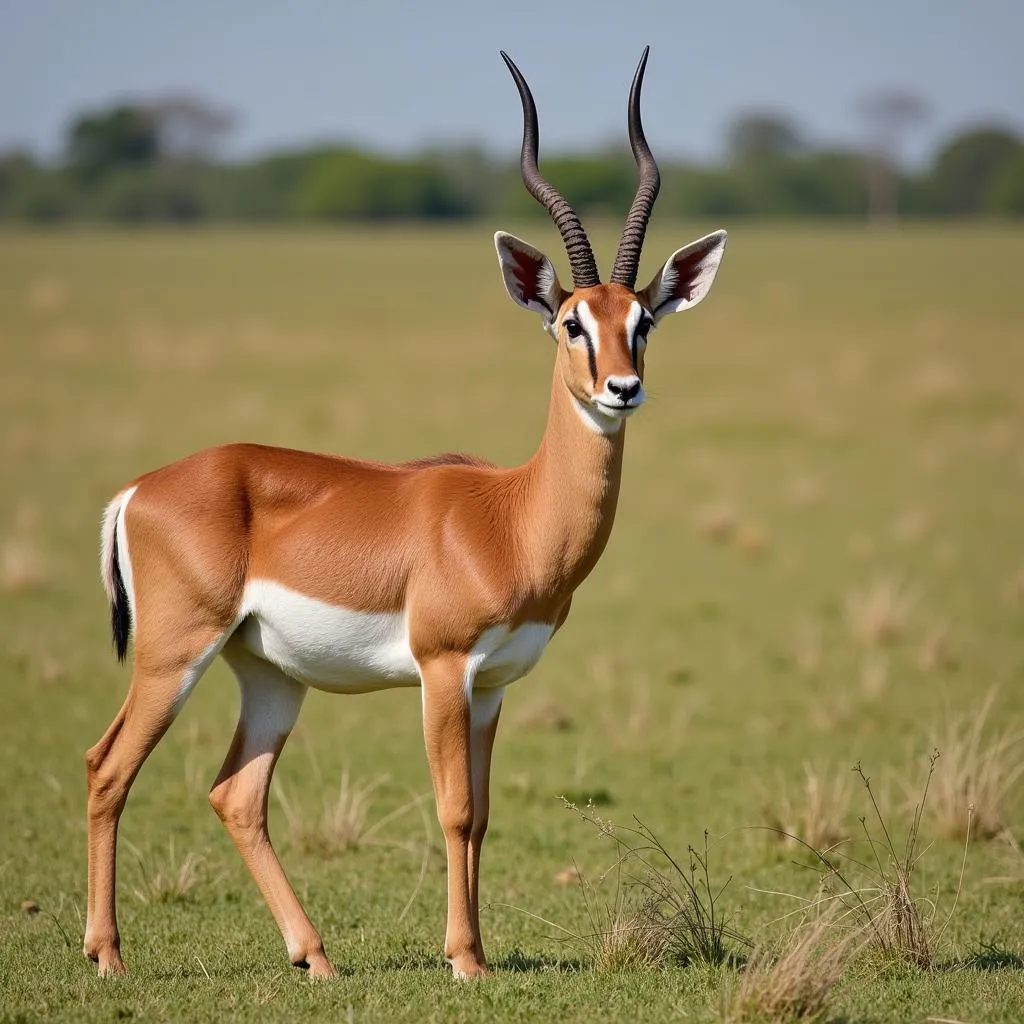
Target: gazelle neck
{"x": 571, "y": 495}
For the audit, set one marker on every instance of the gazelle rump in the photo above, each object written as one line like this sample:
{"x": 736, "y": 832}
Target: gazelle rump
{"x": 451, "y": 574}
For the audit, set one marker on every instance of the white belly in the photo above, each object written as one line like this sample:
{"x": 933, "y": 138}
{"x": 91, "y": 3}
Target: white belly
{"x": 333, "y": 648}
{"x": 502, "y": 655}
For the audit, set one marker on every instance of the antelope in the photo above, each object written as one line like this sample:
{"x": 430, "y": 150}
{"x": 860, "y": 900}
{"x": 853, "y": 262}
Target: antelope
{"x": 448, "y": 573}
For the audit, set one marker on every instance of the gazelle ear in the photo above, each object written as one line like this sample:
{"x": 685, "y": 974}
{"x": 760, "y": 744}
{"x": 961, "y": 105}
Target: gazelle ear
{"x": 529, "y": 276}
{"x": 686, "y": 277}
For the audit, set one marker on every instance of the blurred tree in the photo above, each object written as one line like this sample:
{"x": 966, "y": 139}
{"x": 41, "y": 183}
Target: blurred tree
{"x": 188, "y": 129}
{"x": 702, "y": 192}
{"x": 758, "y": 136}
{"x": 1005, "y": 195}
{"x": 157, "y": 161}
{"x": 147, "y": 194}
{"x": 470, "y": 173}
{"x": 352, "y": 185}
{"x": 890, "y": 114}
{"x": 967, "y": 168}
{"x": 98, "y": 142}
{"x": 17, "y": 170}
{"x": 33, "y": 193}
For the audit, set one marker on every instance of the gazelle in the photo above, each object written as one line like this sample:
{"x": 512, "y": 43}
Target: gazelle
{"x": 448, "y": 573}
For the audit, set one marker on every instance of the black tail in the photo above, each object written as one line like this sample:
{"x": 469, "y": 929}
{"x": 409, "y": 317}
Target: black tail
{"x": 120, "y": 620}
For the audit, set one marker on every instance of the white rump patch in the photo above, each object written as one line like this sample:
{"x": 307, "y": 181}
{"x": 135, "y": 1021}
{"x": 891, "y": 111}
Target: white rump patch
{"x": 124, "y": 562}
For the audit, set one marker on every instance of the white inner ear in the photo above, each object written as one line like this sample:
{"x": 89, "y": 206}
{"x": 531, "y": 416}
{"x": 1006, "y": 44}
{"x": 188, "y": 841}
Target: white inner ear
{"x": 542, "y": 293}
{"x": 667, "y": 293}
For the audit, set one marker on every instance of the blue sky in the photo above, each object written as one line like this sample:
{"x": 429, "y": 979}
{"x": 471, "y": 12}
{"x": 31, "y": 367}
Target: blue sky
{"x": 396, "y": 76}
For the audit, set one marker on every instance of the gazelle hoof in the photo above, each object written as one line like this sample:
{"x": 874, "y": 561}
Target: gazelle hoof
{"x": 110, "y": 965}
{"x": 319, "y": 967}
{"x": 467, "y": 969}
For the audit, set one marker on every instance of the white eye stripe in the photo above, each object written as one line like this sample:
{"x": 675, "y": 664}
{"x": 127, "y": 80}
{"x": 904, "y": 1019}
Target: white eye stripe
{"x": 637, "y": 342}
{"x": 636, "y": 311}
{"x": 589, "y": 323}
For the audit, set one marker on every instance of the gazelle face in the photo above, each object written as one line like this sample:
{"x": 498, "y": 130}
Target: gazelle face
{"x": 601, "y": 334}
{"x": 602, "y": 330}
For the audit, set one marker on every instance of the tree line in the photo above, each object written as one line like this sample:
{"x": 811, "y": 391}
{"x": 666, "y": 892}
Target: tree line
{"x": 155, "y": 162}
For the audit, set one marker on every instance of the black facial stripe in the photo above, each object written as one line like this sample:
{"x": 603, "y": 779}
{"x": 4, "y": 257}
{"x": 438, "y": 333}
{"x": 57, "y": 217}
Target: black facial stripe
{"x": 591, "y": 357}
{"x": 591, "y": 354}
{"x": 643, "y": 326}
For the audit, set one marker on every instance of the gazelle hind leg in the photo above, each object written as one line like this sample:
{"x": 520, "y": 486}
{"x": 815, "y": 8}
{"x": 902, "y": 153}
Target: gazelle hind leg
{"x": 153, "y": 702}
{"x": 270, "y": 705}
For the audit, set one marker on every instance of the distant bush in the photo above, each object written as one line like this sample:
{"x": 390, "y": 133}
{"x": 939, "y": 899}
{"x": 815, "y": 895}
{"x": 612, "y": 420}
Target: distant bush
{"x": 148, "y": 195}
{"x": 124, "y": 165}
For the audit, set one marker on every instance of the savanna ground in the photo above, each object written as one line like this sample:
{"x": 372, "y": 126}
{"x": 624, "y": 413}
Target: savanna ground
{"x": 818, "y": 560}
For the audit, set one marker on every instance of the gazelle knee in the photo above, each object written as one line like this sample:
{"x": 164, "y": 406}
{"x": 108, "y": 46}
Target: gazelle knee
{"x": 456, "y": 820}
{"x": 238, "y": 814}
{"x": 107, "y": 789}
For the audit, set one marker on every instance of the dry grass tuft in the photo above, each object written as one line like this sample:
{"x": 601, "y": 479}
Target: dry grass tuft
{"x": 751, "y": 540}
{"x": 22, "y": 566}
{"x": 879, "y": 613}
{"x": 795, "y": 982}
{"x": 936, "y": 383}
{"x": 911, "y": 525}
{"x": 804, "y": 490}
{"x": 547, "y": 716}
{"x": 624, "y": 933}
{"x": 935, "y": 652}
{"x": 624, "y": 936}
{"x": 166, "y": 881}
{"x": 631, "y": 941}
{"x": 874, "y": 675}
{"x": 718, "y": 522}
{"x": 341, "y": 825}
{"x": 814, "y": 813}
{"x": 807, "y": 647}
{"x": 1015, "y": 588}
{"x": 980, "y": 768}
{"x": 569, "y": 876}
{"x": 878, "y": 891}
{"x": 680, "y": 911}
{"x": 48, "y": 294}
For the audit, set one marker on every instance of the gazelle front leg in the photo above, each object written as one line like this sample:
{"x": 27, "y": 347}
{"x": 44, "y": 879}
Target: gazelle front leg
{"x": 484, "y": 711}
{"x": 447, "y": 731}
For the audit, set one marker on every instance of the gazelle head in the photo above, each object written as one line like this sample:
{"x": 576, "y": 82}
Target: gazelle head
{"x": 601, "y": 329}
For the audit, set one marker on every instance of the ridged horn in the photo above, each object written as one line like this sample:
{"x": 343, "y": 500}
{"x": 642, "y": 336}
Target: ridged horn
{"x": 627, "y": 259}
{"x": 581, "y": 256}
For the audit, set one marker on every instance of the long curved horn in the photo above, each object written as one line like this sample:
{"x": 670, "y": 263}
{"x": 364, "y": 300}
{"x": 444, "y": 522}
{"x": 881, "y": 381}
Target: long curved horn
{"x": 581, "y": 256}
{"x": 627, "y": 259}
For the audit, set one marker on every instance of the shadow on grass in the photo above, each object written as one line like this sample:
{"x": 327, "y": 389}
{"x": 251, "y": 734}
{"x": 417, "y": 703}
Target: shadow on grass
{"x": 413, "y": 960}
{"x": 991, "y": 957}
{"x": 518, "y": 962}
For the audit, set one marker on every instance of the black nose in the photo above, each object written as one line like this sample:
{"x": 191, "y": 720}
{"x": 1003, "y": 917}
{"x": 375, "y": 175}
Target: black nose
{"x": 624, "y": 392}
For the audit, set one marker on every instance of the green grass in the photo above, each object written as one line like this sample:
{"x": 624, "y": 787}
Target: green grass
{"x": 854, "y": 399}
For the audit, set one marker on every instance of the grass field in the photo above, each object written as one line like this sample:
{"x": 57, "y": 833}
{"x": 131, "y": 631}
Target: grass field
{"x": 818, "y": 560}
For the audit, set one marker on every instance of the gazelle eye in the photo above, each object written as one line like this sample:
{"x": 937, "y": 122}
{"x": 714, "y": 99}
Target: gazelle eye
{"x": 572, "y": 328}
{"x": 643, "y": 327}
